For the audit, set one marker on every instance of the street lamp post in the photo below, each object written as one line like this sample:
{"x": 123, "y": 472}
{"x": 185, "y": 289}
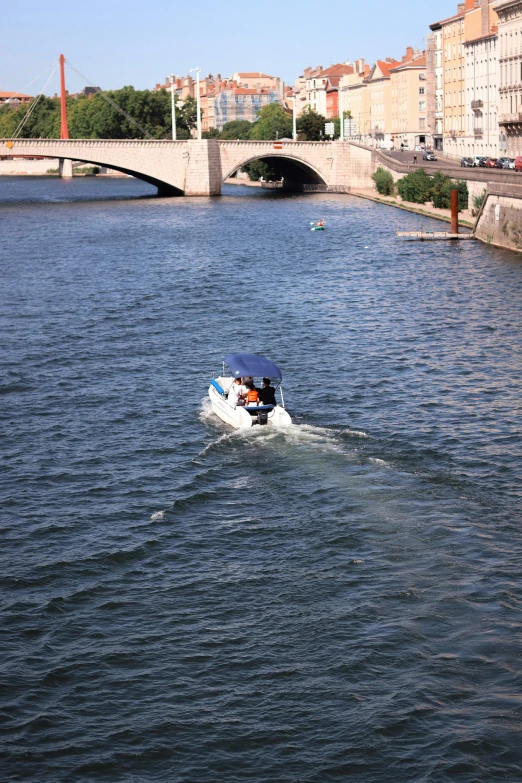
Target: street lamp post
{"x": 173, "y": 107}
{"x": 197, "y": 70}
{"x": 340, "y": 107}
{"x": 294, "y": 121}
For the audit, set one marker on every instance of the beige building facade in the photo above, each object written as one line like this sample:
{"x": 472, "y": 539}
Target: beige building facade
{"x": 408, "y": 101}
{"x": 435, "y": 88}
{"x": 354, "y": 97}
{"x": 482, "y": 78}
{"x": 510, "y": 81}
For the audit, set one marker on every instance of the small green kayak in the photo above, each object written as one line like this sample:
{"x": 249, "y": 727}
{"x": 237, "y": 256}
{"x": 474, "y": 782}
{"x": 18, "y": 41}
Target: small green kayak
{"x": 317, "y": 228}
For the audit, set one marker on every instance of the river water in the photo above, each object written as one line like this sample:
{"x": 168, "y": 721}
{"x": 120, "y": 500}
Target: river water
{"x": 183, "y": 603}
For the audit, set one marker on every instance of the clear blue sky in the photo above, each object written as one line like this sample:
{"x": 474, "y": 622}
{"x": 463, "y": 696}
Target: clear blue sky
{"x": 116, "y": 43}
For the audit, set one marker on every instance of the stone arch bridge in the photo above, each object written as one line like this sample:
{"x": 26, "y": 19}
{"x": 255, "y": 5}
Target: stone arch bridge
{"x": 198, "y": 168}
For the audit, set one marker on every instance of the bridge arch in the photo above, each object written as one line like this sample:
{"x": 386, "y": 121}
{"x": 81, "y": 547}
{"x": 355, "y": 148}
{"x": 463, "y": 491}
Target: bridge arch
{"x": 160, "y": 163}
{"x": 295, "y": 171}
{"x": 163, "y": 188}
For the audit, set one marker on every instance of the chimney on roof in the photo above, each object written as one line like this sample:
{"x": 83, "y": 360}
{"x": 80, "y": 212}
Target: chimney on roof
{"x": 408, "y": 55}
{"x": 158, "y": 86}
{"x": 484, "y": 14}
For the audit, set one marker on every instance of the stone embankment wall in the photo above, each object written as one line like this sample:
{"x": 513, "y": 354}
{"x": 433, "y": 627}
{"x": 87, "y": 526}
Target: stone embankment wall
{"x": 499, "y": 222}
{"x": 18, "y": 166}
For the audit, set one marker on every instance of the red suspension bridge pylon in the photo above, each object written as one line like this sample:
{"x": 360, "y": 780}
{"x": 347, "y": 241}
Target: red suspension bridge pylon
{"x": 64, "y": 128}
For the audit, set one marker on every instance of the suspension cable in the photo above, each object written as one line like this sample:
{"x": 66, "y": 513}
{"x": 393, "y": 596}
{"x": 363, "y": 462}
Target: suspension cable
{"x": 111, "y": 102}
{"x": 34, "y": 104}
{"x": 20, "y": 92}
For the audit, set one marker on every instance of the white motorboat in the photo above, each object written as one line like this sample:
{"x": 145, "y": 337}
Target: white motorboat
{"x": 247, "y": 365}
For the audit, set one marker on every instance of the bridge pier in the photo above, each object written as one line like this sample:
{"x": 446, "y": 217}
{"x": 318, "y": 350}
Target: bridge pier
{"x": 65, "y": 168}
{"x": 203, "y": 175}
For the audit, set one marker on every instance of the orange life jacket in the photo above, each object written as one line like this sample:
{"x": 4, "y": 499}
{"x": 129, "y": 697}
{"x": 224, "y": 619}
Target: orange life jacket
{"x": 252, "y": 397}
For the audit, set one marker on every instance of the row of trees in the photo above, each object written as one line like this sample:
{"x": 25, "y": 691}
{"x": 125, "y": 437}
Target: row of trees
{"x": 419, "y": 187}
{"x": 95, "y": 117}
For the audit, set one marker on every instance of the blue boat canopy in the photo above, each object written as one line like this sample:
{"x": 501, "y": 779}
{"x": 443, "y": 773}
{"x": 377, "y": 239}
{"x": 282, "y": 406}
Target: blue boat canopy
{"x": 244, "y": 364}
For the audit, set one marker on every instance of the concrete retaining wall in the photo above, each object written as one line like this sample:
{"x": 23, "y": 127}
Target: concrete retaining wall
{"x": 500, "y": 220}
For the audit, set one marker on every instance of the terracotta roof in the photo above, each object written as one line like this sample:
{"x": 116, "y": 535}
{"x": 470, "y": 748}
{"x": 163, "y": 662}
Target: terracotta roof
{"x": 417, "y": 62}
{"x": 339, "y": 69}
{"x": 460, "y": 15}
{"x": 386, "y": 65}
{"x": 14, "y": 95}
{"x": 492, "y": 34}
{"x": 257, "y": 75}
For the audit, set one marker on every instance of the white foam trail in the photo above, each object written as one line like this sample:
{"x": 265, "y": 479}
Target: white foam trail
{"x": 157, "y": 516}
{"x": 355, "y": 433}
{"x": 377, "y": 461}
{"x": 205, "y": 412}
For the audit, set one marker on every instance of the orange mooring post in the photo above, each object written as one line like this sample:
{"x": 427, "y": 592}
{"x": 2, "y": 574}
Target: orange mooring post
{"x": 454, "y": 211}
{"x": 64, "y": 129}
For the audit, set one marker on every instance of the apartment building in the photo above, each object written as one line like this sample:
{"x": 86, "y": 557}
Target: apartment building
{"x": 224, "y": 100}
{"x": 314, "y": 86}
{"x": 233, "y": 102}
{"x": 510, "y": 77}
{"x": 355, "y": 98}
{"x": 379, "y": 88}
{"x": 408, "y": 100}
{"x": 482, "y": 80}
{"x": 434, "y": 88}
{"x": 14, "y": 99}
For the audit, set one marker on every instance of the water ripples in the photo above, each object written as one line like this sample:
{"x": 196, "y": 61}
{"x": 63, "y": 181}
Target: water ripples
{"x": 338, "y": 600}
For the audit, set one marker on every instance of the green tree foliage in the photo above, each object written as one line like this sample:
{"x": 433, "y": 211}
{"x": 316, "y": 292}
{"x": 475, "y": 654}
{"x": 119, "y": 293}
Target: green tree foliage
{"x": 212, "y": 133}
{"x": 93, "y": 117}
{"x": 259, "y": 168}
{"x": 415, "y": 187}
{"x": 418, "y": 187}
{"x": 441, "y": 192}
{"x": 273, "y": 123}
{"x": 310, "y": 125}
{"x": 479, "y": 200}
{"x": 237, "y": 129}
{"x": 384, "y": 182}
{"x": 43, "y": 121}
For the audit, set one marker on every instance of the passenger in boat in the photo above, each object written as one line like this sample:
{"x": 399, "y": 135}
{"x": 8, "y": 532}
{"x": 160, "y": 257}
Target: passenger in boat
{"x": 267, "y": 393}
{"x": 237, "y": 393}
{"x": 252, "y": 397}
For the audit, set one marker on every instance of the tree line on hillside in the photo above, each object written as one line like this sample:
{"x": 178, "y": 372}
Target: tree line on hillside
{"x": 94, "y": 117}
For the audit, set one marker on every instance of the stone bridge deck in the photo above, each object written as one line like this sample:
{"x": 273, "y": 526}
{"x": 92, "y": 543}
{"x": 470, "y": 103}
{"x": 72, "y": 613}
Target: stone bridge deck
{"x": 198, "y": 168}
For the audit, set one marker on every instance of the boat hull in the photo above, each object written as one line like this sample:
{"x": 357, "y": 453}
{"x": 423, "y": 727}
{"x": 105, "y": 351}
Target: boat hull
{"x": 239, "y": 418}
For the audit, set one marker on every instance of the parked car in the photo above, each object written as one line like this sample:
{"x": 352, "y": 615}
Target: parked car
{"x": 512, "y": 163}
{"x": 518, "y": 163}
{"x": 490, "y": 163}
{"x": 479, "y": 160}
{"x": 467, "y": 163}
{"x": 503, "y": 163}
{"x": 429, "y": 155}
